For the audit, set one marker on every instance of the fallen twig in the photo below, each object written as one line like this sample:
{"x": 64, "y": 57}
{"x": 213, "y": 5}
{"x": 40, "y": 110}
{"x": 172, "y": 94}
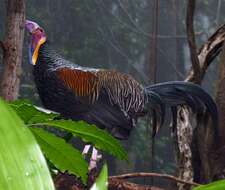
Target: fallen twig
{"x": 143, "y": 174}
{"x": 116, "y": 184}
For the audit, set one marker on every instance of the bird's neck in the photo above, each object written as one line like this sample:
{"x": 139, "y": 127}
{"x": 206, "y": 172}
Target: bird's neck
{"x": 47, "y": 56}
{"x": 46, "y": 52}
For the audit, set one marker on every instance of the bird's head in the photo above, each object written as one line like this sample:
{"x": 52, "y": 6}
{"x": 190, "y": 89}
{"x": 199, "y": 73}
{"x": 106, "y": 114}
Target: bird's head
{"x": 38, "y": 38}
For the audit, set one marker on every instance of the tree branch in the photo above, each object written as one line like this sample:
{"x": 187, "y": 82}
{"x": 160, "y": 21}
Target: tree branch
{"x": 143, "y": 174}
{"x": 115, "y": 184}
{"x": 201, "y": 162}
{"x": 191, "y": 40}
{"x": 70, "y": 182}
{"x": 202, "y": 141}
{"x": 208, "y": 52}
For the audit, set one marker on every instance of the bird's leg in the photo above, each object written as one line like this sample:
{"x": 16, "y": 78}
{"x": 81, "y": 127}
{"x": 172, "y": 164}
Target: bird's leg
{"x": 94, "y": 158}
{"x": 86, "y": 149}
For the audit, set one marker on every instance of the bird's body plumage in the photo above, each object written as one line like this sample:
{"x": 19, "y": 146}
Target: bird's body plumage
{"x": 107, "y": 98}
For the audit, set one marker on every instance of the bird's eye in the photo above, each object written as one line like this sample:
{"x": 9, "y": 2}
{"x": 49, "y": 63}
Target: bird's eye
{"x": 41, "y": 30}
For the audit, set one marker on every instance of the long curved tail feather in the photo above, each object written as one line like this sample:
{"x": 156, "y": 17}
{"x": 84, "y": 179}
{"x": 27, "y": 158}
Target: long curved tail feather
{"x": 158, "y": 109}
{"x": 177, "y": 93}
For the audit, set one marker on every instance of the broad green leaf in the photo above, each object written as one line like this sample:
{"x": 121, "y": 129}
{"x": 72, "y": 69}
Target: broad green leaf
{"x": 218, "y": 185}
{"x": 61, "y": 154}
{"x": 102, "y": 180}
{"x": 29, "y": 114}
{"x": 22, "y": 164}
{"x": 91, "y": 134}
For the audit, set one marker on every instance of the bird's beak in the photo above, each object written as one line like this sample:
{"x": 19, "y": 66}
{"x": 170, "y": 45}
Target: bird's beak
{"x": 31, "y": 26}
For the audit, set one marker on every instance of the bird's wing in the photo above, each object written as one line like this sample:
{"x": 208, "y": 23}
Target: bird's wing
{"x": 82, "y": 83}
{"x": 121, "y": 89}
{"x": 115, "y": 100}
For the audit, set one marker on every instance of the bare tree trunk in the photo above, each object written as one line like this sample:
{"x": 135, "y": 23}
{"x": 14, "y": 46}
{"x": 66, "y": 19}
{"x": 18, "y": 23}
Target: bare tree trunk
{"x": 185, "y": 123}
{"x": 185, "y": 119}
{"x": 204, "y": 155}
{"x": 179, "y": 63}
{"x": 153, "y": 44}
{"x": 220, "y": 99}
{"x": 175, "y": 22}
{"x": 203, "y": 142}
{"x": 12, "y": 49}
{"x": 219, "y": 165}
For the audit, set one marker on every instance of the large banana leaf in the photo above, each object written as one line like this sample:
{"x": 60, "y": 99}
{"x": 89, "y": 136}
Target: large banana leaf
{"x": 22, "y": 164}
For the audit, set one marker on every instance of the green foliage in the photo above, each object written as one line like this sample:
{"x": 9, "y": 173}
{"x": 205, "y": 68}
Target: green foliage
{"x": 90, "y": 134}
{"x": 63, "y": 155}
{"x": 102, "y": 180}
{"x": 29, "y": 114}
{"x": 218, "y": 185}
{"x": 22, "y": 164}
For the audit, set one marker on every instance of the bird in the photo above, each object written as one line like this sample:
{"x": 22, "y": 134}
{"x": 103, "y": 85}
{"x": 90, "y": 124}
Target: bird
{"x": 109, "y": 99}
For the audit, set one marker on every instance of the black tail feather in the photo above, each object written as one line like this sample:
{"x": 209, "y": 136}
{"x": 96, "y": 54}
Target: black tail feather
{"x": 174, "y": 118}
{"x": 158, "y": 109}
{"x": 178, "y": 93}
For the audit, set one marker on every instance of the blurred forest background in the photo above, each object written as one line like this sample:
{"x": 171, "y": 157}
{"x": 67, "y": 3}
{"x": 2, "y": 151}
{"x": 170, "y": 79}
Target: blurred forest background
{"x": 119, "y": 34}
